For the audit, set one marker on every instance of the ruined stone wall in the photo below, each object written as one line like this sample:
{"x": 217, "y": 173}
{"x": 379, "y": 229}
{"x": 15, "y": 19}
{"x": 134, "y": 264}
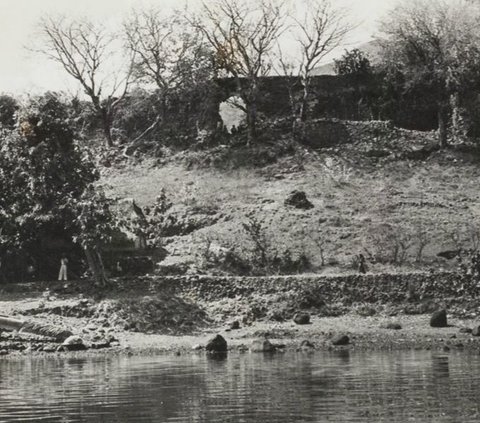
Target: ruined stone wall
{"x": 383, "y": 288}
{"x": 340, "y": 97}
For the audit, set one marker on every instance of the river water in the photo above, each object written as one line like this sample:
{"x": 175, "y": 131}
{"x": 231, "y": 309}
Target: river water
{"x": 292, "y": 387}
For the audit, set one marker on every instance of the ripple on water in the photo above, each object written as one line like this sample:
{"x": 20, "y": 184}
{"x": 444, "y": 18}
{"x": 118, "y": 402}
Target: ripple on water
{"x": 344, "y": 387}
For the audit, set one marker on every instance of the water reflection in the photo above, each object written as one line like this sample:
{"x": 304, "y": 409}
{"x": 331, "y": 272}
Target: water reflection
{"x": 440, "y": 367}
{"x": 338, "y": 386}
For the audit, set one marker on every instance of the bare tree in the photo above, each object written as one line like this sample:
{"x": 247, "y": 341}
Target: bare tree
{"x": 288, "y": 71}
{"x": 167, "y": 53}
{"x": 86, "y": 52}
{"x": 243, "y": 35}
{"x": 320, "y": 29}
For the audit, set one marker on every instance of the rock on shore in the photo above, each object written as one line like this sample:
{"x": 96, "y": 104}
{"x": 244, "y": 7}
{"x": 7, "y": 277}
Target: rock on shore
{"x": 340, "y": 340}
{"x": 262, "y": 345}
{"x": 217, "y": 344}
{"x": 439, "y": 319}
{"x": 301, "y": 318}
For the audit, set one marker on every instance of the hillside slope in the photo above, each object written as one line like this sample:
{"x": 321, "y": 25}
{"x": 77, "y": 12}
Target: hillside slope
{"x": 385, "y": 193}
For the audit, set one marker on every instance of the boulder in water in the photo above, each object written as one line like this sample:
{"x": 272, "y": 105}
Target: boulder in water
{"x": 340, "y": 340}
{"x": 217, "y": 344}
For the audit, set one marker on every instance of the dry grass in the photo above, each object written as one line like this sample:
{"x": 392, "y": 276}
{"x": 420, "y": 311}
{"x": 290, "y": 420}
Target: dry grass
{"x": 433, "y": 203}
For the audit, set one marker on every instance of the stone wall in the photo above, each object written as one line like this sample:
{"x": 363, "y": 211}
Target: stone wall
{"x": 340, "y": 97}
{"x": 383, "y": 288}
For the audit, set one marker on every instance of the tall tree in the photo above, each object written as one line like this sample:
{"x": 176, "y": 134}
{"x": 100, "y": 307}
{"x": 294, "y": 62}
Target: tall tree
{"x": 87, "y": 52}
{"x": 243, "y": 35}
{"x": 168, "y": 54}
{"x": 319, "y": 29}
{"x": 48, "y": 186}
{"x": 433, "y": 46}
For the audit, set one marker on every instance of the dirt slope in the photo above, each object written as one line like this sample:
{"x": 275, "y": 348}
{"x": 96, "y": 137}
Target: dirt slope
{"x": 386, "y": 193}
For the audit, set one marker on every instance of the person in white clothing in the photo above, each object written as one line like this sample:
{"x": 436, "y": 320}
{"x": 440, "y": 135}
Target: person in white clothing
{"x": 62, "y": 276}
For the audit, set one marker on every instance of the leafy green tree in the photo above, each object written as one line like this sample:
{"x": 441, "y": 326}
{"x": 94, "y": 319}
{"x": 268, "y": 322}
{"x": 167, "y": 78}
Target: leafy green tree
{"x": 48, "y": 186}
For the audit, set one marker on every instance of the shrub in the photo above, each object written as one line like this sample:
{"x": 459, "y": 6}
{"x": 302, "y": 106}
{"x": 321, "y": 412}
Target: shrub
{"x": 389, "y": 244}
{"x": 254, "y": 254}
{"x": 8, "y": 111}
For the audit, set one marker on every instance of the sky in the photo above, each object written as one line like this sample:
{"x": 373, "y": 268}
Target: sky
{"x": 24, "y": 71}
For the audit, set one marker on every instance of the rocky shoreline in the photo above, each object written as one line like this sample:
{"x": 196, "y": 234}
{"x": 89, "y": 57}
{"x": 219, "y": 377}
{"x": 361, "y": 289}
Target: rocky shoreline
{"x": 345, "y": 332}
{"x": 181, "y": 315}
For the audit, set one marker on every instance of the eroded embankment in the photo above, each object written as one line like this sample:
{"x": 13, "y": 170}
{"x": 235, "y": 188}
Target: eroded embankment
{"x": 280, "y": 296}
{"x": 160, "y": 313}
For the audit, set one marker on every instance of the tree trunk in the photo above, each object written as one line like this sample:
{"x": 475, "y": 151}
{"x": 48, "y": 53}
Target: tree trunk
{"x": 8, "y": 323}
{"x": 303, "y": 113}
{"x": 95, "y": 264}
{"x": 250, "y": 99}
{"x": 147, "y": 131}
{"x": 458, "y": 126}
{"x": 107, "y": 131}
{"x": 442, "y": 126}
{"x": 299, "y": 130}
{"x": 251, "y": 123}
{"x": 106, "y": 116}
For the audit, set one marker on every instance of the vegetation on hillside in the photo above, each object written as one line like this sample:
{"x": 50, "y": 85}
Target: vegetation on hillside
{"x": 47, "y": 189}
{"x": 386, "y": 194}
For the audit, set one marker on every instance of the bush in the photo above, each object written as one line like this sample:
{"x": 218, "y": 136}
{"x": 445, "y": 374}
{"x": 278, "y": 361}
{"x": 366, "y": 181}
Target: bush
{"x": 8, "y": 111}
{"x": 389, "y": 244}
{"x": 252, "y": 255}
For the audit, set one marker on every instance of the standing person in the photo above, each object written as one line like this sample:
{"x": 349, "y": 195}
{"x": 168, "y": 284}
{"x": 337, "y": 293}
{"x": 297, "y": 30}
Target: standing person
{"x": 62, "y": 276}
{"x": 362, "y": 266}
